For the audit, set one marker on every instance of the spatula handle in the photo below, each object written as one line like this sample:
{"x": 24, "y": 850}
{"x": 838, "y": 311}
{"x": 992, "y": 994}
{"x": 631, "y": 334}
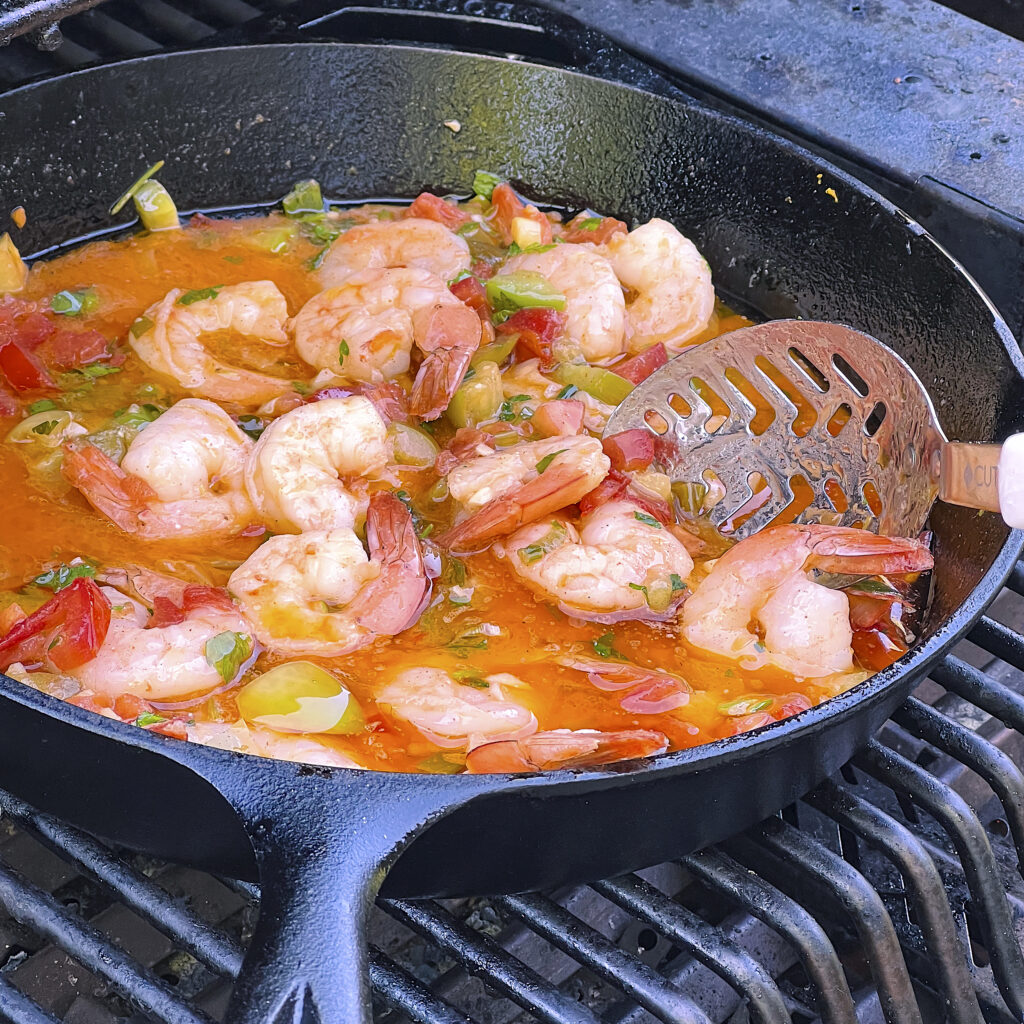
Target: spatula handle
{"x": 986, "y": 476}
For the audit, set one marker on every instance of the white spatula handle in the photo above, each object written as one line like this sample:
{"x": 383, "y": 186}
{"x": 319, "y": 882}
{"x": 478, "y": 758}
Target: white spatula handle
{"x": 986, "y": 476}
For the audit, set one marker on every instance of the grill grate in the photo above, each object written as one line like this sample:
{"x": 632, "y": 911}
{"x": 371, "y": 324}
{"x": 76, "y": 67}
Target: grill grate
{"x": 894, "y": 892}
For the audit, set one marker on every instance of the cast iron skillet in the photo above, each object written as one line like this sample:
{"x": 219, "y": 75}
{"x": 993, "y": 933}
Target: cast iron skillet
{"x": 784, "y": 232}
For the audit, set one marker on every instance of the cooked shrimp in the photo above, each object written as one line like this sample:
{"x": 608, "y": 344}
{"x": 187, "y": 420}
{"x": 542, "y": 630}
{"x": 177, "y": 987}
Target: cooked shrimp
{"x": 564, "y": 748}
{"x": 673, "y": 299}
{"x": 172, "y": 342}
{"x": 365, "y": 328}
{"x": 621, "y": 564}
{"x": 293, "y": 747}
{"x": 757, "y": 606}
{"x": 594, "y": 305}
{"x": 308, "y": 470}
{"x": 181, "y": 476}
{"x": 503, "y": 490}
{"x": 162, "y": 662}
{"x": 526, "y": 378}
{"x": 319, "y": 594}
{"x": 410, "y": 242}
{"x": 453, "y": 714}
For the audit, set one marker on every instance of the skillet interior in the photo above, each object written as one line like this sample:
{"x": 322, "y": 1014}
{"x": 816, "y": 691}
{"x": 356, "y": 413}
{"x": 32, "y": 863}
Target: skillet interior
{"x": 784, "y": 232}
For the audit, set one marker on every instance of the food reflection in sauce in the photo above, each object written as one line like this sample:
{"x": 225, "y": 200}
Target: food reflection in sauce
{"x": 328, "y": 484}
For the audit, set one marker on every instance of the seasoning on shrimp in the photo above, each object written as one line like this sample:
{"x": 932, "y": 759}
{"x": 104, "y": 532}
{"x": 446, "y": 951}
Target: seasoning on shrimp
{"x": 329, "y": 485}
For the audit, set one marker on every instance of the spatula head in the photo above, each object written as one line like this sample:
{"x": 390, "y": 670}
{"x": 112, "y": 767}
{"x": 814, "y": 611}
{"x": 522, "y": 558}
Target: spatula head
{"x": 792, "y": 421}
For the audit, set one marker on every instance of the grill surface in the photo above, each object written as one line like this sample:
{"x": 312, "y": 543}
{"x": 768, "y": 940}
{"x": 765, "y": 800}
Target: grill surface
{"x": 892, "y": 893}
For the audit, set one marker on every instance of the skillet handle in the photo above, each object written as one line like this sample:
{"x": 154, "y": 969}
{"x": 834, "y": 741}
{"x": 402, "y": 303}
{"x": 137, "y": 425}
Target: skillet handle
{"x": 986, "y": 476}
{"x": 324, "y": 842}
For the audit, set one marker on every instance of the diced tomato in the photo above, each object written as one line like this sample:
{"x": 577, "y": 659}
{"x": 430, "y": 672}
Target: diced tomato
{"x": 562, "y": 416}
{"x": 128, "y": 706}
{"x": 596, "y": 233}
{"x": 507, "y": 206}
{"x": 470, "y": 291}
{"x": 174, "y": 727}
{"x": 64, "y": 349}
{"x": 630, "y": 450}
{"x": 22, "y": 323}
{"x": 536, "y": 330}
{"x": 22, "y": 369}
{"x": 640, "y": 367}
{"x": 166, "y": 612}
{"x": 462, "y": 446}
{"x": 66, "y": 632}
{"x": 432, "y": 207}
{"x": 170, "y": 608}
{"x": 616, "y": 486}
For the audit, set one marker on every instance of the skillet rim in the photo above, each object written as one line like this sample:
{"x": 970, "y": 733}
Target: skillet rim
{"x": 907, "y": 669}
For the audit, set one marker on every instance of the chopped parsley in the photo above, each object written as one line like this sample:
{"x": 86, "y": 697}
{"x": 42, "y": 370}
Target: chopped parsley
{"x": 342, "y": 350}
{"x": 43, "y": 405}
{"x": 64, "y": 575}
{"x": 548, "y": 459}
{"x": 604, "y": 645}
{"x": 589, "y": 223}
{"x": 198, "y": 295}
{"x": 467, "y": 677}
{"x": 227, "y": 652}
{"x": 484, "y": 184}
{"x": 677, "y": 582}
{"x": 507, "y": 412}
{"x": 149, "y": 718}
{"x": 647, "y": 520}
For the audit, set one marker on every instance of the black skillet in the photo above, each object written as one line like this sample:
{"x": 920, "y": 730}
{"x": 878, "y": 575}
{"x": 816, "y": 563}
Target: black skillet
{"x": 786, "y": 234}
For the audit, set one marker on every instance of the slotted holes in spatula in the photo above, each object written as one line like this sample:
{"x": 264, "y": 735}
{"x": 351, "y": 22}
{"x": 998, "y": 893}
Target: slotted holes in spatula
{"x": 764, "y": 411}
{"x": 805, "y": 416}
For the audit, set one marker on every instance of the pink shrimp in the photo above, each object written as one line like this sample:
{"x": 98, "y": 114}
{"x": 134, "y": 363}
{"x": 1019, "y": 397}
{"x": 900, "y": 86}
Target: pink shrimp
{"x": 647, "y": 692}
{"x": 504, "y": 490}
{"x": 564, "y": 748}
{"x": 757, "y": 605}
{"x": 451, "y": 337}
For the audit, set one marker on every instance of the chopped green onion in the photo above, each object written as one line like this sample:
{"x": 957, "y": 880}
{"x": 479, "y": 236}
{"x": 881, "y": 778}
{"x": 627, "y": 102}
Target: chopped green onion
{"x": 134, "y": 187}
{"x": 46, "y": 427}
{"x": 647, "y": 520}
{"x": 460, "y": 595}
{"x": 155, "y": 207}
{"x": 548, "y": 459}
{"x": 454, "y": 572}
{"x": 149, "y": 718}
{"x": 137, "y": 415}
{"x": 305, "y": 197}
{"x": 522, "y": 289}
{"x": 568, "y": 391}
{"x": 198, "y": 295}
{"x": 471, "y": 640}
{"x": 43, "y": 405}
{"x": 140, "y": 326}
{"x": 554, "y": 538}
{"x": 75, "y": 303}
{"x": 467, "y": 677}
{"x": 64, "y": 575}
{"x": 98, "y": 370}
{"x": 251, "y": 425}
{"x": 424, "y": 530}
{"x": 460, "y": 276}
{"x": 342, "y": 350}
{"x": 589, "y": 223}
{"x": 484, "y": 184}
{"x": 643, "y": 590}
{"x": 227, "y": 652}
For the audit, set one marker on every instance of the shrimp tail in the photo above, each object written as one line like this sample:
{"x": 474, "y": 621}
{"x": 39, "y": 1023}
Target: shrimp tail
{"x": 121, "y": 497}
{"x": 451, "y": 337}
{"x": 395, "y": 599}
{"x": 835, "y": 549}
{"x": 564, "y": 748}
{"x": 553, "y": 490}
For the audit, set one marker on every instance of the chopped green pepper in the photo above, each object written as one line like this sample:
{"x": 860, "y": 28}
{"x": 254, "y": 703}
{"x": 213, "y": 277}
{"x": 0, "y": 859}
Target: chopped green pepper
{"x": 602, "y": 384}
{"x": 522, "y": 289}
{"x": 477, "y": 398}
{"x": 155, "y": 207}
{"x": 305, "y": 197}
{"x": 496, "y": 352}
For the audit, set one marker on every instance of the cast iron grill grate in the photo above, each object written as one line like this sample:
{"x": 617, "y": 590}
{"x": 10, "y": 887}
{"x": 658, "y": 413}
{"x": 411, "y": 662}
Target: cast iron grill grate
{"x": 893, "y": 892}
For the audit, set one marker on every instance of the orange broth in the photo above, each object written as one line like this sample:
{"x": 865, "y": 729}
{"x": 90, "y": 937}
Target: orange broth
{"x": 47, "y": 522}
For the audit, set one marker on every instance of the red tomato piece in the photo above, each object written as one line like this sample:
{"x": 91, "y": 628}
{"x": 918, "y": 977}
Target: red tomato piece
{"x": 432, "y": 207}
{"x": 536, "y": 330}
{"x": 562, "y": 416}
{"x": 128, "y": 706}
{"x": 507, "y": 206}
{"x": 470, "y": 291}
{"x": 64, "y": 349}
{"x": 616, "y": 486}
{"x": 640, "y": 367}
{"x": 20, "y": 322}
{"x": 66, "y": 632}
{"x": 630, "y": 449}
{"x": 596, "y": 233}
{"x": 22, "y": 369}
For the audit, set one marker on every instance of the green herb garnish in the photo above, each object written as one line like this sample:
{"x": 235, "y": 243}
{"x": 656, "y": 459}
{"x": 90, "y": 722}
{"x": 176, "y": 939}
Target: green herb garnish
{"x": 342, "y": 350}
{"x": 251, "y": 425}
{"x": 64, "y": 575}
{"x": 604, "y": 645}
{"x": 198, "y": 295}
{"x": 140, "y": 326}
{"x": 484, "y": 184}
{"x": 305, "y": 197}
{"x": 46, "y": 427}
{"x": 149, "y": 718}
{"x": 745, "y": 705}
{"x": 568, "y": 391}
{"x": 677, "y": 582}
{"x": 226, "y": 652}
{"x": 554, "y": 538}
{"x": 548, "y": 459}
{"x": 647, "y": 520}
{"x": 43, "y": 405}
{"x": 75, "y": 303}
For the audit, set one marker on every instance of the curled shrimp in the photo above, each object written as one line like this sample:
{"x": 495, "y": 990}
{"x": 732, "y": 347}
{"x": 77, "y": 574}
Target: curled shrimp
{"x": 172, "y": 342}
{"x": 365, "y": 328}
{"x": 594, "y": 305}
{"x": 622, "y": 563}
{"x": 181, "y": 476}
{"x": 409, "y": 242}
{"x": 564, "y": 748}
{"x": 293, "y": 747}
{"x": 164, "y": 662}
{"x": 673, "y": 299}
{"x": 644, "y": 690}
{"x": 758, "y": 607}
{"x": 453, "y": 714}
{"x": 521, "y": 484}
{"x": 309, "y": 467}
{"x": 319, "y": 594}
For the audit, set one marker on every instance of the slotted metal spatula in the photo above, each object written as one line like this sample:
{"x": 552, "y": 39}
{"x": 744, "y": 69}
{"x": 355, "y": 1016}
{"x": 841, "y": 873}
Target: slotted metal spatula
{"x": 803, "y": 421}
